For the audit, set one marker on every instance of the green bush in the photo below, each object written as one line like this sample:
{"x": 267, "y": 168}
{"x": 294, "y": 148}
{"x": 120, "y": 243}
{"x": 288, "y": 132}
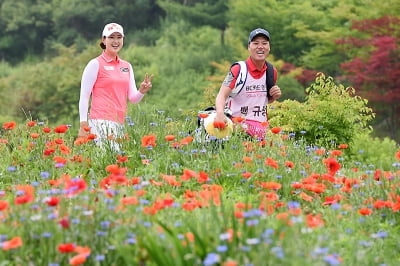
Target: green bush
{"x": 330, "y": 115}
{"x": 377, "y": 153}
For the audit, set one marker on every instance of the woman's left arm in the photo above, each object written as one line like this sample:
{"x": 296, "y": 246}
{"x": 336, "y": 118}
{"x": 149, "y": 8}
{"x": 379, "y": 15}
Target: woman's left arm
{"x": 134, "y": 95}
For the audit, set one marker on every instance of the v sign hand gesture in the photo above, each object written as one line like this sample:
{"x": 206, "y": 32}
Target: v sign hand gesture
{"x": 145, "y": 86}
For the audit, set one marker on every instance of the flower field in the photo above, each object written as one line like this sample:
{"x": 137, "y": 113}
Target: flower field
{"x": 166, "y": 199}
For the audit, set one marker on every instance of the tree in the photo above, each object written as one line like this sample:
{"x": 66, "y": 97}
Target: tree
{"x": 375, "y": 69}
{"x": 200, "y": 13}
{"x": 24, "y": 25}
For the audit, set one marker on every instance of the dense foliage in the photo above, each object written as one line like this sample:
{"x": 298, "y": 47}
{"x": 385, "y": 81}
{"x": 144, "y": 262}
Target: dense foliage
{"x": 45, "y": 45}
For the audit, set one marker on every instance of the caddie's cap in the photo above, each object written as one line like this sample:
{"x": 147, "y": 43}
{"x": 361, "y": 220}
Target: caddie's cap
{"x": 111, "y": 28}
{"x": 257, "y": 32}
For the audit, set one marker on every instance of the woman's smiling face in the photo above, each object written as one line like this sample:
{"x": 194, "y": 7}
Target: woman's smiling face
{"x": 113, "y": 43}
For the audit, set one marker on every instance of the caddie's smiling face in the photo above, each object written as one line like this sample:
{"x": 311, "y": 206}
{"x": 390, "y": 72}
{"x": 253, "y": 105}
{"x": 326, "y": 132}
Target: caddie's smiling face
{"x": 114, "y": 43}
{"x": 259, "y": 48}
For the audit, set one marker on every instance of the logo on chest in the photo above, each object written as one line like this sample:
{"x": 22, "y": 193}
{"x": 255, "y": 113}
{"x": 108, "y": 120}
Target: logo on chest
{"x": 109, "y": 68}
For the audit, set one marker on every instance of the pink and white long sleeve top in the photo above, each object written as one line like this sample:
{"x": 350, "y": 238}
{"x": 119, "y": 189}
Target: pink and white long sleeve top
{"x": 110, "y": 83}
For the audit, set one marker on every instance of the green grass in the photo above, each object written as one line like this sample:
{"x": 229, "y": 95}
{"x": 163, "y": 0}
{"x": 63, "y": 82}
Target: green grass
{"x": 191, "y": 204}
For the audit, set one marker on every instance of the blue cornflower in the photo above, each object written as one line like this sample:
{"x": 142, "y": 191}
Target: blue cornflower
{"x": 365, "y": 243}
{"x": 252, "y": 222}
{"x": 11, "y": 168}
{"x": 47, "y": 234}
{"x": 51, "y": 216}
{"x": 222, "y": 248}
{"x": 101, "y": 233}
{"x": 380, "y": 234}
{"x": 252, "y": 241}
{"x": 105, "y": 224}
{"x": 211, "y": 259}
{"x": 278, "y": 252}
{"x": 59, "y": 165}
{"x": 144, "y": 202}
{"x": 320, "y": 251}
{"x": 224, "y": 236}
{"x": 267, "y": 233}
{"x": 131, "y": 240}
{"x": 147, "y": 224}
{"x": 293, "y": 205}
{"x": 332, "y": 259}
{"x": 35, "y": 183}
{"x": 44, "y": 174}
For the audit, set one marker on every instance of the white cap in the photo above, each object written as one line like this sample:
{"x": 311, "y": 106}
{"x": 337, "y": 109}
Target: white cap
{"x": 111, "y": 28}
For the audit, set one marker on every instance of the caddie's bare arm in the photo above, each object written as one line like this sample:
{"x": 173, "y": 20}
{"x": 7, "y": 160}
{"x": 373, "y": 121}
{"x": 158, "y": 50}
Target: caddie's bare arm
{"x": 222, "y": 95}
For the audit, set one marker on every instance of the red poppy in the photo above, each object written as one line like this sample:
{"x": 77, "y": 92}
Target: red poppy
{"x": 343, "y": 146}
{"x": 3, "y": 205}
{"x": 203, "y": 115}
{"x": 31, "y": 123}
{"x": 122, "y": 159}
{"x": 59, "y": 159}
{"x": 275, "y": 130}
{"x": 332, "y": 165}
{"x": 78, "y": 259}
{"x": 365, "y": 211}
{"x": 313, "y": 221}
{"x": 202, "y": 177}
{"x": 61, "y": 129}
{"x": 13, "y": 243}
{"x": 46, "y": 130}
{"x": 169, "y": 137}
{"x": 9, "y": 125}
{"x": 64, "y": 222}
{"x": 271, "y": 185}
{"x": 336, "y": 153}
{"x": 379, "y": 204}
{"x": 27, "y": 194}
{"x": 66, "y": 248}
{"x": 149, "y": 141}
{"x": 35, "y": 135}
{"x": 187, "y": 140}
{"x": 289, "y": 164}
{"x": 272, "y": 163}
{"x": 59, "y": 141}
{"x": 246, "y": 175}
{"x": 397, "y": 155}
{"x": 131, "y": 200}
{"x": 52, "y": 201}
{"x": 238, "y": 119}
{"x": 219, "y": 124}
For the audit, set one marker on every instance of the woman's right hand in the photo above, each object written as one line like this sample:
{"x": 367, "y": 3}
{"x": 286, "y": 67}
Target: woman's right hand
{"x": 84, "y": 129}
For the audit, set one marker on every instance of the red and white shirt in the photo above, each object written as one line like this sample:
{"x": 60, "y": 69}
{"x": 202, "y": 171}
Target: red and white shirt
{"x": 252, "y": 100}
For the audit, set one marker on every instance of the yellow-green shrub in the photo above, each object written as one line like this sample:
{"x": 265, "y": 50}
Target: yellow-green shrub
{"x": 331, "y": 114}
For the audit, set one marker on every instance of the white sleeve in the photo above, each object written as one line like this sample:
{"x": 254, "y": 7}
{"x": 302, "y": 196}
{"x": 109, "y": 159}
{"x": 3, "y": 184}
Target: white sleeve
{"x": 134, "y": 95}
{"x": 89, "y": 77}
